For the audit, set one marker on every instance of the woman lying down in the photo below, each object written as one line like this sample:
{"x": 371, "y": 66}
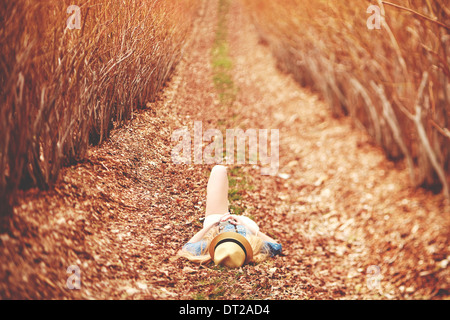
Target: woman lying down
{"x": 228, "y": 240}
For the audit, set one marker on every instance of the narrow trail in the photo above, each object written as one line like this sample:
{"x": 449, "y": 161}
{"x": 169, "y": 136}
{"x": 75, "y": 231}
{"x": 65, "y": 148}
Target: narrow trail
{"x": 337, "y": 205}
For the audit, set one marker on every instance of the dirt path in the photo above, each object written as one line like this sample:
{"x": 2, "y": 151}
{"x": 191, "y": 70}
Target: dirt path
{"x": 337, "y": 206}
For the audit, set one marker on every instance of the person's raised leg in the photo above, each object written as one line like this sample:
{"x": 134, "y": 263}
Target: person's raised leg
{"x": 217, "y": 191}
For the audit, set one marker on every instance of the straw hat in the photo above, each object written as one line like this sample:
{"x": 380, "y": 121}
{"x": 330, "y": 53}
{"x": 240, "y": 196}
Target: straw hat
{"x": 230, "y": 249}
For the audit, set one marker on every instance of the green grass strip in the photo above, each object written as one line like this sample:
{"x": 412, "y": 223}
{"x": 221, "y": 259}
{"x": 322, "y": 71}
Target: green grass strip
{"x": 221, "y": 62}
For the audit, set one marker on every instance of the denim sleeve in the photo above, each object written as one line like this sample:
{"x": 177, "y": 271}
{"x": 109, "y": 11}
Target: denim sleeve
{"x": 195, "y": 248}
{"x": 272, "y": 248}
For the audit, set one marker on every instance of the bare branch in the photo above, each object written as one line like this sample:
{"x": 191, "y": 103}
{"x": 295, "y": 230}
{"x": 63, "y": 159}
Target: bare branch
{"x": 424, "y": 139}
{"x": 420, "y": 15}
{"x": 391, "y": 119}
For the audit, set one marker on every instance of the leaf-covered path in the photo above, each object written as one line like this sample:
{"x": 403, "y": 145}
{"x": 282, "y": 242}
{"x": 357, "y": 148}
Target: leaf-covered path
{"x": 350, "y": 224}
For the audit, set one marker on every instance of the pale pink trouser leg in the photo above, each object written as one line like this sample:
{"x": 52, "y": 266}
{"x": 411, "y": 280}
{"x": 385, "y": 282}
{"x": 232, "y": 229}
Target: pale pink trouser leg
{"x": 217, "y": 191}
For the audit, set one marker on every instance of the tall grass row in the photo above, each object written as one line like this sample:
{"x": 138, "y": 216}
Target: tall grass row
{"x": 393, "y": 81}
{"x": 63, "y": 89}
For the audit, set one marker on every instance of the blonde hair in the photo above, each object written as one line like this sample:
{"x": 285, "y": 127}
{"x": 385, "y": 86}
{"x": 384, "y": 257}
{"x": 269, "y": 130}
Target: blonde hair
{"x": 255, "y": 242}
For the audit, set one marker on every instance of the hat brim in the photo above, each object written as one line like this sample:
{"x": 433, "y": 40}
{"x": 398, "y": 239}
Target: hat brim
{"x": 234, "y": 237}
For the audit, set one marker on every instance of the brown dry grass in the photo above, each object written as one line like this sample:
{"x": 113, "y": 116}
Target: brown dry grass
{"x": 123, "y": 213}
{"x": 393, "y": 81}
{"x": 62, "y": 89}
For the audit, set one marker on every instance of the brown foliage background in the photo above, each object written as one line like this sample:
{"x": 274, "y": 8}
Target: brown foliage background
{"x": 394, "y": 81}
{"x": 62, "y": 89}
{"x": 120, "y": 215}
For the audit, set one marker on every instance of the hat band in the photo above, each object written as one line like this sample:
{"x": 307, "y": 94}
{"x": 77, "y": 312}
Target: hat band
{"x": 232, "y": 240}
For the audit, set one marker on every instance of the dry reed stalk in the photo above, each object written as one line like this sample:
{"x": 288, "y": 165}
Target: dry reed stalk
{"x": 62, "y": 90}
{"x": 374, "y": 75}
